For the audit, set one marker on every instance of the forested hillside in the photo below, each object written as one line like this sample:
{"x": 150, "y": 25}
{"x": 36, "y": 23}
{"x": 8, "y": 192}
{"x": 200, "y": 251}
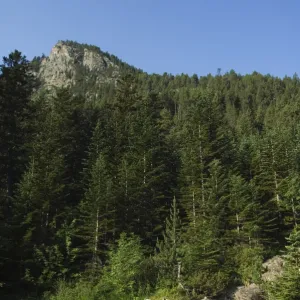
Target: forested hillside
{"x": 145, "y": 186}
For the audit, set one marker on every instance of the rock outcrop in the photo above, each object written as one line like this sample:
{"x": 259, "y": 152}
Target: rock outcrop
{"x": 273, "y": 268}
{"x": 250, "y": 292}
{"x": 66, "y": 61}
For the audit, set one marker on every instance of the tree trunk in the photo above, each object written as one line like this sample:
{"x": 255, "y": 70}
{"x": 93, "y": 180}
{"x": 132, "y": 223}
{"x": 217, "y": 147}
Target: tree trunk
{"x": 294, "y": 213}
{"x": 193, "y": 206}
{"x": 96, "y": 236}
{"x": 237, "y": 223}
{"x": 201, "y": 175}
{"x": 275, "y": 179}
{"x": 144, "y": 161}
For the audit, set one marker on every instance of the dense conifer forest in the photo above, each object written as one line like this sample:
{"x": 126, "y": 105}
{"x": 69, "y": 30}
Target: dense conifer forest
{"x": 178, "y": 186}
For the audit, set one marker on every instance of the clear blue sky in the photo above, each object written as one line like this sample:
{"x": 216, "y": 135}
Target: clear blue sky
{"x": 174, "y": 36}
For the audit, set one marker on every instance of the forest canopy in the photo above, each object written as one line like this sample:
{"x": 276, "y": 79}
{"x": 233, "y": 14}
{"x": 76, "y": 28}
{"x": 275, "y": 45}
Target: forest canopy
{"x": 180, "y": 185}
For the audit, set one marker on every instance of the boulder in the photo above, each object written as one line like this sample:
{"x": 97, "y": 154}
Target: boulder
{"x": 250, "y": 292}
{"x": 273, "y": 268}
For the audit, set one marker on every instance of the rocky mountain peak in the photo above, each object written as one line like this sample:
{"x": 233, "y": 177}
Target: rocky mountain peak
{"x": 70, "y": 60}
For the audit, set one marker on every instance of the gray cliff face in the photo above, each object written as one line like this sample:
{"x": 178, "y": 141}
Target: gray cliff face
{"x": 65, "y": 62}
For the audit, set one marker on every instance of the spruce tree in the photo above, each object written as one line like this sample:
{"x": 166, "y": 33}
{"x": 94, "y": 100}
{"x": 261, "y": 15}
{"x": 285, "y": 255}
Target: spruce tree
{"x": 168, "y": 256}
{"x": 203, "y": 242}
{"x": 45, "y": 202}
{"x": 16, "y": 114}
{"x": 121, "y": 279}
{"x": 16, "y": 87}
{"x": 96, "y": 211}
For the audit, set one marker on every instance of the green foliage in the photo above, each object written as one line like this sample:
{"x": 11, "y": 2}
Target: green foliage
{"x": 96, "y": 214}
{"x": 97, "y": 165}
{"x": 286, "y": 287}
{"x": 249, "y": 263}
{"x": 202, "y": 266}
{"x": 290, "y": 200}
{"x": 171, "y": 294}
{"x": 79, "y": 291}
{"x": 51, "y": 262}
{"x": 16, "y": 86}
{"x": 123, "y": 274}
{"x": 36, "y": 62}
{"x": 16, "y": 118}
{"x": 168, "y": 257}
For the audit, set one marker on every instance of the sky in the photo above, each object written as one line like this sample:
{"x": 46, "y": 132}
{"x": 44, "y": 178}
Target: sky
{"x": 157, "y": 36}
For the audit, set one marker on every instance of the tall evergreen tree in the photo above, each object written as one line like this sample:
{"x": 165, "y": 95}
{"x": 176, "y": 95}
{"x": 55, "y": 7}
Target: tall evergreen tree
{"x": 95, "y": 224}
{"x": 168, "y": 257}
{"x": 16, "y": 87}
{"x": 45, "y": 202}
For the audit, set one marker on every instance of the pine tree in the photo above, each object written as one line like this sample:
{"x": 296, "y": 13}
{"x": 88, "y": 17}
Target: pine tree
{"x": 290, "y": 198}
{"x": 45, "y": 202}
{"x": 144, "y": 178}
{"x": 245, "y": 218}
{"x": 270, "y": 170}
{"x": 16, "y": 113}
{"x": 122, "y": 118}
{"x": 196, "y": 154}
{"x": 95, "y": 224}
{"x": 16, "y": 86}
{"x": 41, "y": 200}
{"x": 151, "y": 166}
{"x": 168, "y": 257}
{"x": 203, "y": 243}
{"x": 121, "y": 279}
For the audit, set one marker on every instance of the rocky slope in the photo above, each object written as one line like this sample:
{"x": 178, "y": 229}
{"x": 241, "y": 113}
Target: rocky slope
{"x": 69, "y": 62}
